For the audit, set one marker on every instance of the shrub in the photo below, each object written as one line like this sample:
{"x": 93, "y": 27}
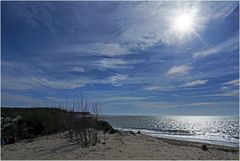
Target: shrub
{"x": 82, "y": 121}
{"x": 104, "y": 126}
{"x": 31, "y": 122}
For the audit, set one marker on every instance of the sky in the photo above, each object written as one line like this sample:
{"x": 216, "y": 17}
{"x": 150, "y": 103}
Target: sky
{"x": 131, "y": 57}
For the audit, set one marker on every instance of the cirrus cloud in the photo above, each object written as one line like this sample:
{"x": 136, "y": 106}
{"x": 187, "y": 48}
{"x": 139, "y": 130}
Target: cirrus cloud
{"x": 195, "y": 83}
{"x": 182, "y": 69}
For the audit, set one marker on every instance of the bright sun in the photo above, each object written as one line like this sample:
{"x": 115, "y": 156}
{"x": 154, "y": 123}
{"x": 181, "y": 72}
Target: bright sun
{"x": 184, "y": 23}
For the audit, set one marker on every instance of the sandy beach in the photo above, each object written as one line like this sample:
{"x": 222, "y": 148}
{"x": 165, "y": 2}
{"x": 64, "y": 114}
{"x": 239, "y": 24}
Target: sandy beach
{"x": 117, "y": 146}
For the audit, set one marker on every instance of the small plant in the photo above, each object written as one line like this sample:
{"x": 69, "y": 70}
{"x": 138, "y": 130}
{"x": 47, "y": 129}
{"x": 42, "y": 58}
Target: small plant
{"x": 82, "y": 119}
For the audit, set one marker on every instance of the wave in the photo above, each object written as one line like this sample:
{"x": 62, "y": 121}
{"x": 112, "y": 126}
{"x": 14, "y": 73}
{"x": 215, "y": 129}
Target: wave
{"x": 168, "y": 131}
{"x": 209, "y": 138}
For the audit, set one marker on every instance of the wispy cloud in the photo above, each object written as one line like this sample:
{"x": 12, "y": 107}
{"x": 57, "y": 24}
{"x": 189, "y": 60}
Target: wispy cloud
{"x": 27, "y": 83}
{"x": 160, "y": 88}
{"x": 78, "y": 69}
{"x": 229, "y": 93}
{"x": 114, "y": 99}
{"x": 227, "y": 46}
{"x": 230, "y": 88}
{"x": 56, "y": 100}
{"x": 112, "y": 63}
{"x": 63, "y": 84}
{"x": 217, "y": 10}
{"x": 201, "y": 104}
{"x": 232, "y": 82}
{"x": 182, "y": 69}
{"x": 11, "y": 83}
{"x": 104, "y": 49}
{"x": 122, "y": 53}
{"x": 225, "y": 88}
{"x": 27, "y": 14}
{"x": 195, "y": 83}
{"x": 148, "y": 24}
{"x": 117, "y": 79}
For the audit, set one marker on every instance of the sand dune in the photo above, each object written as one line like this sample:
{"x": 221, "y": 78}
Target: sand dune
{"x": 118, "y": 146}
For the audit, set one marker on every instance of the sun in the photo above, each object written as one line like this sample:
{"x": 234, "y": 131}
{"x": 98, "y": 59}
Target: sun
{"x": 184, "y": 23}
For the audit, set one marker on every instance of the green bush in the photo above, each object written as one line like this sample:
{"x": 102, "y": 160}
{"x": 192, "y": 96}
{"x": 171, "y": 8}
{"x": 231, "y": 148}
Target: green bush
{"x": 31, "y": 122}
{"x": 104, "y": 126}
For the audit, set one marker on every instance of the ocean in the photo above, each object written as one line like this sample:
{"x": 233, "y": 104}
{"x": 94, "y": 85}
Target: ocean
{"x": 220, "y": 130}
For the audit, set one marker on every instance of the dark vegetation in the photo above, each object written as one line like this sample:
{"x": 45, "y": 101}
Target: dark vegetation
{"x": 26, "y": 123}
{"x": 83, "y": 123}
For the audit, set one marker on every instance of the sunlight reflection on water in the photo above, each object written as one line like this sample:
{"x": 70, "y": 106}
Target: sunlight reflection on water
{"x": 224, "y": 129}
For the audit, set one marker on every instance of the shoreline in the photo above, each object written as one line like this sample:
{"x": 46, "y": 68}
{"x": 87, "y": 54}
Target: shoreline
{"x": 197, "y": 144}
{"x": 187, "y": 139}
{"x": 122, "y": 145}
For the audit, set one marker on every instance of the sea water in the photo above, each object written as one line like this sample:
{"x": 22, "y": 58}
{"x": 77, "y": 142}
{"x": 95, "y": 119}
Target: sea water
{"x": 220, "y": 130}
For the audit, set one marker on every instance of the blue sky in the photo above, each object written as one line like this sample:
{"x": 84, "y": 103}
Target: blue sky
{"x": 126, "y": 55}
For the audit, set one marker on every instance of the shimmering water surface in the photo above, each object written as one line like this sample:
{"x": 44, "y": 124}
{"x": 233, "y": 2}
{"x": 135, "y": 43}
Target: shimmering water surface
{"x": 222, "y": 130}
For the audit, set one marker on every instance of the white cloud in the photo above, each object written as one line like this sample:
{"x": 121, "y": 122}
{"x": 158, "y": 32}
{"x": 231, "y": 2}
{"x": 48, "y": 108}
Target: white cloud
{"x": 112, "y": 49}
{"x": 107, "y": 49}
{"x": 12, "y": 83}
{"x": 201, "y": 104}
{"x": 195, "y": 83}
{"x": 231, "y": 93}
{"x": 233, "y": 82}
{"x": 63, "y": 84}
{"x": 56, "y": 99}
{"x": 117, "y": 79}
{"x": 112, "y": 99}
{"x": 112, "y": 63}
{"x": 78, "y": 69}
{"x": 225, "y": 88}
{"x": 29, "y": 14}
{"x": 179, "y": 70}
{"x": 149, "y": 88}
{"x": 218, "y": 11}
{"x": 160, "y": 88}
{"x": 31, "y": 82}
{"x": 230, "y": 88}
{"x": 227, "y": 46}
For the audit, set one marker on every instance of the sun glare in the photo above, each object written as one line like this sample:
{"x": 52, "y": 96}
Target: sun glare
{"x": 184, "y": 22}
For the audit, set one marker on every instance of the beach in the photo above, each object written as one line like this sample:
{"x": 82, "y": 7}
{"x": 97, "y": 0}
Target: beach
{"x": 121, "y": 145}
